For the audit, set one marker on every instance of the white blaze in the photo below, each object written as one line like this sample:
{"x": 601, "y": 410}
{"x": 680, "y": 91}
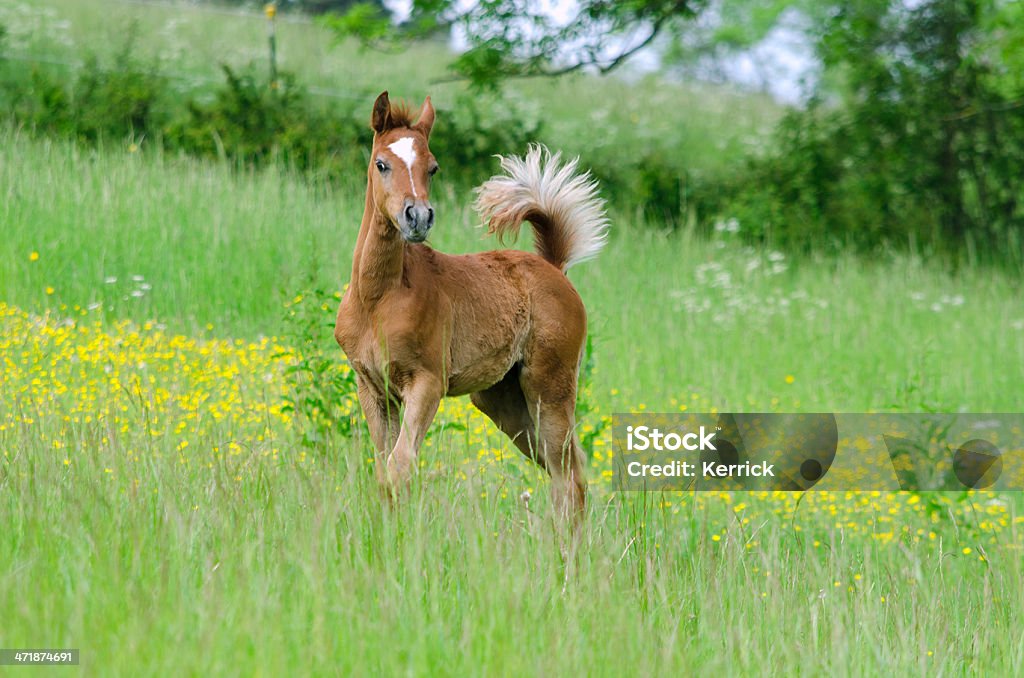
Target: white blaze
{"x": 404, "y": 150}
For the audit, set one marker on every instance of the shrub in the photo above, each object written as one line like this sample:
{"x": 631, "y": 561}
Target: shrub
{"x": 117, "y": 101}
{"x": 478, "y": 127}
{"x": 651, "y": 181}
{"x": 922, "y": 143}
{"x": 254, "y": 123}
{"x": 100, "y": 101}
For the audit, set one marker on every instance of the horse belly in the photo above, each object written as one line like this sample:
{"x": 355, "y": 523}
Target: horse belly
{"x": 491, "y": 322}
{"x": 482, "y": 373}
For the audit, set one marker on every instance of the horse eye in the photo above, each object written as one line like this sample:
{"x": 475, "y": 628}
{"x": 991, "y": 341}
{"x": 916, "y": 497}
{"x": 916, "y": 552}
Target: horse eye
{"x": 381, "y": 167}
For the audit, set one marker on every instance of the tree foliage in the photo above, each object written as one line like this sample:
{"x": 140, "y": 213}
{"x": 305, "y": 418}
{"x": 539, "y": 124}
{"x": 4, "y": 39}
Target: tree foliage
{"x": 511, "y": 38}
{"x": 917, "y": 135}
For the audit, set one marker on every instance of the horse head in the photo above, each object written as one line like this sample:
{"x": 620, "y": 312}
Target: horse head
{"x": 401, "y": 166}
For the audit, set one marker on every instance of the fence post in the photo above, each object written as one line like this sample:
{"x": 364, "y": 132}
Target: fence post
{"x": 270, "y": 9}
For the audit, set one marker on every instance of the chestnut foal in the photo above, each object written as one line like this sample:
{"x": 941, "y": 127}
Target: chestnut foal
{"x": 505, "y": 326}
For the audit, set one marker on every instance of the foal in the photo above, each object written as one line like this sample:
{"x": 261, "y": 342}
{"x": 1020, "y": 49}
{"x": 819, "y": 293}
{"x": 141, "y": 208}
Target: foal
{"x": 505, "y": 326}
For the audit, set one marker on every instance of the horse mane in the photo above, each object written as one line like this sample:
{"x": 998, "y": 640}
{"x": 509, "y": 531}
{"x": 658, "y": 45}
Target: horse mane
{"x": 401, "y": 114}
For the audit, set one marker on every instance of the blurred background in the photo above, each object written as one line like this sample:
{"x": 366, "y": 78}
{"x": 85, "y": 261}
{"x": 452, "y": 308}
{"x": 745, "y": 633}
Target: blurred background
{"x": 808, "y": 126}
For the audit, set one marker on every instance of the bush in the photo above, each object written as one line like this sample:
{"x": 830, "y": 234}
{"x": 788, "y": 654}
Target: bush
{"x": 247, "y": 120}
{"x": 477, "y": 128}
{"x": 124, "y": 99}
{"x": 651, "y": 181}
{"x": 251, "y": 122}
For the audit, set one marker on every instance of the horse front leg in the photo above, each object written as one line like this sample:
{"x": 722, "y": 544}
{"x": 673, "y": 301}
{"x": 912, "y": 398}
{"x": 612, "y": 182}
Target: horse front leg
{"x": 381, "y": 414}
{"x": 421, "y": 397}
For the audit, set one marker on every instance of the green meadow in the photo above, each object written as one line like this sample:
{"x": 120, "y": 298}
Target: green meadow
{"x": 160, "y": 512}
{"x": 671, "y": 314}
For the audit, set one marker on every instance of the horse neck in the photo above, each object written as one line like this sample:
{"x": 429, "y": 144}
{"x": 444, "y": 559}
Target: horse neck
{"x": 379, "y": 254}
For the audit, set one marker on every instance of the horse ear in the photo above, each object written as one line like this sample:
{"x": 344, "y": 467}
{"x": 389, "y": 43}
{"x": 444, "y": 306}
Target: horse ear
{"x": 426, "y": 119}
{"x": 381, "y": 120}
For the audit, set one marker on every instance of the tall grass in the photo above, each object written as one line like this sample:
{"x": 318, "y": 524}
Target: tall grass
{"x": 154, "y": 570}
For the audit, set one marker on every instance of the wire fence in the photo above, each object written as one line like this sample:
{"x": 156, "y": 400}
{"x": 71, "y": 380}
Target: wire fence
{"x": 197, "y": 79}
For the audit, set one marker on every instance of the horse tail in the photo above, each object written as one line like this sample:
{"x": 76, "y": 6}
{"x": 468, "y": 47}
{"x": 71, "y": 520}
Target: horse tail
{"x": 562, "y": 204}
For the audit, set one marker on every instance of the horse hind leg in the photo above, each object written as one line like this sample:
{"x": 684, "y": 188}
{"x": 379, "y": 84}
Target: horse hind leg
{"x": 549, "y": 389}
{"x": 536, "y": 410}
{"x": 505, "y": 405}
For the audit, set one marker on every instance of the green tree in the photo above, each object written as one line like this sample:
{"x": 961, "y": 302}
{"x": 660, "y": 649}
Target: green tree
{"x": 915, "y": 133}
{"x": 509, "y": 38}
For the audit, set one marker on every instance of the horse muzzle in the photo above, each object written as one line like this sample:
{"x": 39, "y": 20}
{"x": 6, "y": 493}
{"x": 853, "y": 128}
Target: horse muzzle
{"x": 416, "y": 220}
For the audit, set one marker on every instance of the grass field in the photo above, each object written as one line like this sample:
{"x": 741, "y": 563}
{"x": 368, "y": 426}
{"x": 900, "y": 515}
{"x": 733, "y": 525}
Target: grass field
{"x": 159, "y": 512}
{"x": 161, "y": 515}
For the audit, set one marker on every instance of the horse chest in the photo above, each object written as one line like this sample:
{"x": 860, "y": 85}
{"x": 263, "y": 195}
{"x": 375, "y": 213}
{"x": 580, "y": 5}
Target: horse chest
{"x": 383, "y": 345}
{"x": 365, "y": 358}
{"x": 349, "y": 327}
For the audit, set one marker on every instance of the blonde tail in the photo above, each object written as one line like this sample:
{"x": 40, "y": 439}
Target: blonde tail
{"x": 561, "y": 203}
